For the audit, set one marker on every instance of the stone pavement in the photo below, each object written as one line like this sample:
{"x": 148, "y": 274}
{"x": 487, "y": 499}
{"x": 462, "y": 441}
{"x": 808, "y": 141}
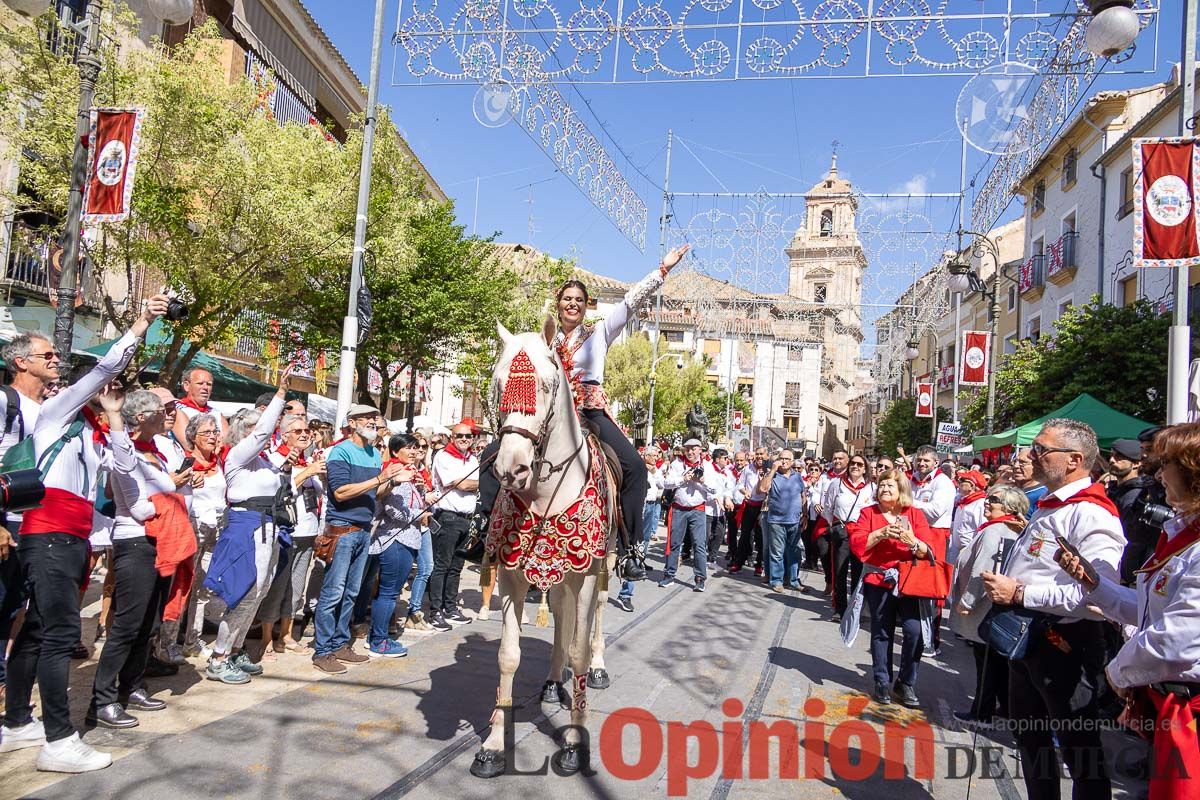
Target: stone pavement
{"x": 393, "y": 727}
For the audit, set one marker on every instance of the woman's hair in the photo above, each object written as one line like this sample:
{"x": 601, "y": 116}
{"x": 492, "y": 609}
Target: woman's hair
{"x": 142, "y": 401}
{"x": 1180, "y": 445}
{"x": 241, "y": 425}
{"x": 1014, "y": 500}
{"x": 573, "y": 284}
{"x": 193, "y": 427}
{"x": 906, "y": 496}
{"x": 400, "y": 441}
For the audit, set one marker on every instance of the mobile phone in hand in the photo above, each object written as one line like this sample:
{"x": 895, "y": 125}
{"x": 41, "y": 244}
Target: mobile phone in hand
{"x": 187, "y": 464}
{"x": 1088, "y": 570}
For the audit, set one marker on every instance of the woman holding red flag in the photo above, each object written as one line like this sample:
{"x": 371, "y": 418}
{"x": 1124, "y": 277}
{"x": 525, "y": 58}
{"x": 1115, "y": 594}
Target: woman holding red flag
{"x": 1157, "y": 671}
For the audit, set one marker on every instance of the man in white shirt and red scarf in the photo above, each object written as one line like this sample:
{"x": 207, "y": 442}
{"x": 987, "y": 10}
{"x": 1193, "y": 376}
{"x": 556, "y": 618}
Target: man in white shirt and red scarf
{"x": 968, "y": 511}
{"x": 197, "y": 389}
{"x": 741, "y": 459}
{"x": 1055, "y": 690}
{"x": 825, "y": 549}
{"x": 749, "y": 539}
{"x": 695, "y": 481}
{"x": 54, "y": 559}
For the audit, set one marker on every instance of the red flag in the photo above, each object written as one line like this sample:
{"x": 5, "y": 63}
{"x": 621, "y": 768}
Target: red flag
{"x": 1164, "y": 212}
{"x": 112, "y": 158}
{"x": 924, "y": 399}
{"x": 976, "y": 358}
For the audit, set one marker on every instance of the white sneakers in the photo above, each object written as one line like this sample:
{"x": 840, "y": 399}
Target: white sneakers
{"x": 71, "y": 755}
{"x": 29, "y": 735}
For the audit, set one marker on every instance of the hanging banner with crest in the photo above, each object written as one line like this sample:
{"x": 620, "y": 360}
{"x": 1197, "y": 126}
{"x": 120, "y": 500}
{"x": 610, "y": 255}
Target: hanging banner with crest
{"x": 976, "y": 350}
{"x": 112, "y": 158}
{"x": 1166, "y": 174}
{"x": 924, "y": 399}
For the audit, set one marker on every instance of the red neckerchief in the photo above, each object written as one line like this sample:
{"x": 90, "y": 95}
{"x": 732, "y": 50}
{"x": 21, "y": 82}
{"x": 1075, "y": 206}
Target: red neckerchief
{"x": 200, "y": 465}
{"x": 1094, "y": 493}
{"x": 1165, "y": 548}
{"x": 852, "y": 487}
{"x": 831, "y": 474}
{"x": 809, "y": 480}
{"x": 190, "y": 403}
{"x": 737, "y": 473}
{"x": 922, "y": 481}
{"x": 100, "y": 429}
{"x": 453, "y": 451}
{"x": 971, "y": 498}
{"x": 149, "y": 447}
{"x": 1005, "y": 518}
{"x": 427, "y": 478}
{"x": 689, "y": 464}
{"x": 285, "y": 451}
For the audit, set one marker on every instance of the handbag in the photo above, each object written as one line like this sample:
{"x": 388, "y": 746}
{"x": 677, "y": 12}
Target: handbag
{"x": 473, "y": 545}
{"x": 1012, "y": 630}
{"x": 928, "y": 578}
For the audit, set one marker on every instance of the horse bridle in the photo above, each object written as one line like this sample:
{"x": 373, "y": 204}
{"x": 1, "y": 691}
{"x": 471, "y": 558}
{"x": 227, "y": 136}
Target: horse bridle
{"x": 540, "y": 439}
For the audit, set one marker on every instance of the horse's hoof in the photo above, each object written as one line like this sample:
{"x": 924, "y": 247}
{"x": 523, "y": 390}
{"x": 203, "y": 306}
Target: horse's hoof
{"x": 555, "y": 692}
{"x": 598, "y": 679}
{"x": 571, "y": 758}
{"x": 488, "y": 764}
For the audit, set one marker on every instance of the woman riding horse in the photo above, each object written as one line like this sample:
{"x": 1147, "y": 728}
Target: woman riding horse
{"x": 583, "y": 354}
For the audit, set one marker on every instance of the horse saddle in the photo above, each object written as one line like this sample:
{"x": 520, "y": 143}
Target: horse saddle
{"x": 630, "y": 564}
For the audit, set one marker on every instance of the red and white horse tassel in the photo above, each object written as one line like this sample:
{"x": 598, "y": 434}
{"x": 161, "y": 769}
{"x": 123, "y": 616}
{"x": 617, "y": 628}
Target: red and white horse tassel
{"x": 520, "y": 390}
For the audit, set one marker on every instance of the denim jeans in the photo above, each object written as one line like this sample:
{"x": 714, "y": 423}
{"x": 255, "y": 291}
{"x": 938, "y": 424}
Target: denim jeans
{"x": 343, "y": 578}
{"x": 394, "y": 565}
{"x": 785, "y": 553}
{"x": 424, "y": 570}
{"x": 682, "y": 523}
{"x": 649, "y": 526}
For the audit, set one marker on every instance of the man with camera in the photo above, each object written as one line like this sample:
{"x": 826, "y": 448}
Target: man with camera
{"x": 54, "y": 561}
{"x": 1141, "y": 501}
{"x": 695, "y": 482}
{"x": 1055, "y": 691}
{"x": 34, "y": 365}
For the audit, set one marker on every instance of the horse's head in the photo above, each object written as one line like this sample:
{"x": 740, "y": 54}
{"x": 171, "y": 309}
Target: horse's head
{"x": 526, "y": 386}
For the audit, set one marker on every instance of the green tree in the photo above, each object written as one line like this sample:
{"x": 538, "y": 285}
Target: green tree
{"x": 901, "y": 425}
{"x": 1118, "y": 354}
{"x": 228, "y": 205}
{"x": 678, "y": 385}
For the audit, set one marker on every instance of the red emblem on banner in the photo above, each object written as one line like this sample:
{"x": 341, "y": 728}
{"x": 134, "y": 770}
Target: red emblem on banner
{"x": 112, "y": 158}
{"x": 1164, "y": 210}
{"x": 976, "y": 355}
{"x": 924, "y": 399}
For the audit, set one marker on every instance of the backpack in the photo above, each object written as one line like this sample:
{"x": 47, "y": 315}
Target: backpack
{"x": 12, "y": 411}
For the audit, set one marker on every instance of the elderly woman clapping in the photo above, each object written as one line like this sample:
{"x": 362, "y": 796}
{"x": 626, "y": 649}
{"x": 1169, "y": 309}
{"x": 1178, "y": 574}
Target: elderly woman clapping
{"x": 1005, "y": 510}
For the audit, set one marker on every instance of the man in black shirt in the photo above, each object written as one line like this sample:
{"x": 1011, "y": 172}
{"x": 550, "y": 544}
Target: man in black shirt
{"x": 1135, "y": 487}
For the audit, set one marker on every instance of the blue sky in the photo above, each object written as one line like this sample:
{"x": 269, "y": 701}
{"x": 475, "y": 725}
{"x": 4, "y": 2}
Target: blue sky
{"x": 894, "y": 133}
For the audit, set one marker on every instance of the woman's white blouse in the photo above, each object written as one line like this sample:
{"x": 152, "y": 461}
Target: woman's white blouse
{"x": 591, "y": 352}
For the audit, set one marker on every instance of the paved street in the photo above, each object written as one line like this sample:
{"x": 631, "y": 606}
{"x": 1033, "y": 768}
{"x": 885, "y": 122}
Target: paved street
{"x": 394, "y": 727}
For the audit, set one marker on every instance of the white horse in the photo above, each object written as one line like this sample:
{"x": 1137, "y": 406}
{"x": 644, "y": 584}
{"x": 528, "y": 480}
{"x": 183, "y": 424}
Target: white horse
{"x": 551, "y": 526}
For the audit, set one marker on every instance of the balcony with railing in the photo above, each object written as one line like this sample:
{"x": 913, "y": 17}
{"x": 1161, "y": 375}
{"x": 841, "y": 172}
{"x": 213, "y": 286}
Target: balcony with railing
{"x": 33, "y": 268}
{"x": 1062, "y": 260}
{"x": 1032, "y": 279}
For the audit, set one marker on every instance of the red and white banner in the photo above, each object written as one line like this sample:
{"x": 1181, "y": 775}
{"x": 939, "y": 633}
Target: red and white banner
{"x": 1167, "y": 182}
{"x": 116, "y": 135}
{"x": 976, "y": 358}
{"x": 924, "y": 399}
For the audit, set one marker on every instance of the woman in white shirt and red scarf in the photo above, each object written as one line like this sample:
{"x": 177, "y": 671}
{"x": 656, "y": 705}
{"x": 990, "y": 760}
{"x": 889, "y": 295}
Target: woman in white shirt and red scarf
{"x": 582, "y": 347}
{"x": 147, "y": 502}
{"x": 1157, "y": 671}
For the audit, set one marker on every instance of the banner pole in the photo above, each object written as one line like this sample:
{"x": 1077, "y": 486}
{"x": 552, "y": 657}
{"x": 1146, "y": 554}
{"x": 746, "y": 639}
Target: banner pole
{"x": 1179, "y": 342}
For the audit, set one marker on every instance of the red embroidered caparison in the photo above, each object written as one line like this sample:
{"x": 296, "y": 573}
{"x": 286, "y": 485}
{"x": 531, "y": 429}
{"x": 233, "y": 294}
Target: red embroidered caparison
{"x": 568, "y": 542}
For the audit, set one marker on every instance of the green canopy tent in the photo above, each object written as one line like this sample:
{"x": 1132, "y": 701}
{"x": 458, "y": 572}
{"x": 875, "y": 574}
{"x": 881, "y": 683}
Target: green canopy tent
{"x": 228, "y": 384}
{"x": 1108, "y": 423}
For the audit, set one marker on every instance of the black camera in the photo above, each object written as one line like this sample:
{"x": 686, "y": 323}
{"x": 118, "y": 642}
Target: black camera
{"x": 177, "y": 310}
{"x": 1151, "y": 514}
{"x": 698, "y": 474}
{"x": 21, "y": 490}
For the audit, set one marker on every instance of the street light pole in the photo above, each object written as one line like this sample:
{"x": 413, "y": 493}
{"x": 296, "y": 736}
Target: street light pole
{"x": 1179, "y": 341}
{"x": 349, "y": 356}
{"x": 68, "y": 281}
{"x": 993, "y": 327}
{"x": 662, "y": 247}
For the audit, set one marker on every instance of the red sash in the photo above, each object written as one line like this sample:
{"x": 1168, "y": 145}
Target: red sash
{"x": 1176, "y": 748}
{"x": 1092, "y": 494}
{"x": 671, "y": 511}
{"x": 60, "y": 512}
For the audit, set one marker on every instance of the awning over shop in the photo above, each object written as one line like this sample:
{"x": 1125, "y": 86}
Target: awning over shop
{"x": 1108, "y": 423}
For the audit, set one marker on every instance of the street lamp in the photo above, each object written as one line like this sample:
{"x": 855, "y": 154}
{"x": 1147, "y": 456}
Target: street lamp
{"x": 1112, "y": 28}
{"x": 963, "y": 278}
{"x": 653, "y": 380}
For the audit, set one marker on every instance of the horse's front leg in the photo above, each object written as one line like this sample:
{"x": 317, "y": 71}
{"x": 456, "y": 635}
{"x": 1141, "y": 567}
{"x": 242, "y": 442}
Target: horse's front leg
{"x": 490, "y": 760}
{"x": 583, "y": 589}
{"x": 564, "y": 626}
